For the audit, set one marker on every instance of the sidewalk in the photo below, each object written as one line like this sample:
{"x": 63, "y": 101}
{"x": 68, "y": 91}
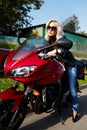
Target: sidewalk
{"x": 50, "y": 121}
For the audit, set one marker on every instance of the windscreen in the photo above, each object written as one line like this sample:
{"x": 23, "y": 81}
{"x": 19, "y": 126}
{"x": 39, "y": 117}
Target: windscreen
{"x": 28, "y": 46}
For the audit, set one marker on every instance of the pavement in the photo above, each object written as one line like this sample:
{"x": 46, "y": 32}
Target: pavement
{"x": 51, "y": 121}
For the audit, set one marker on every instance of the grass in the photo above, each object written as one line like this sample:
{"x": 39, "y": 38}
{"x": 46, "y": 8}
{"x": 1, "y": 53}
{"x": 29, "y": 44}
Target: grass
{"x": 7, "y": 82}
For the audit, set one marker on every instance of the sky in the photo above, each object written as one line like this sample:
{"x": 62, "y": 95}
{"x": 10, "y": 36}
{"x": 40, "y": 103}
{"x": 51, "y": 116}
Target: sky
{"x": 61, "y": 10}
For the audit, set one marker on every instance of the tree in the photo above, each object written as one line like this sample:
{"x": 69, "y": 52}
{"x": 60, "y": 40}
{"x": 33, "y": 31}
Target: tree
{"x": 14, "y": 14}
{"x": 71, "y": 24}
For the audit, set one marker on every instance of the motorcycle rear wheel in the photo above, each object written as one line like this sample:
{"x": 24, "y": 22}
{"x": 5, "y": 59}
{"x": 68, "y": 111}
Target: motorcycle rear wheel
{"x": 6, "y": 115}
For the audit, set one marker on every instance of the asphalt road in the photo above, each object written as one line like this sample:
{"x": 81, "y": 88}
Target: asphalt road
{"x": 51, "y": 121}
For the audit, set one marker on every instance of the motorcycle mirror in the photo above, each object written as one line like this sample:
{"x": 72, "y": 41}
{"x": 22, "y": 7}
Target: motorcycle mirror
{"x": 64, "y": 43}
{"x": 18, "y": 34}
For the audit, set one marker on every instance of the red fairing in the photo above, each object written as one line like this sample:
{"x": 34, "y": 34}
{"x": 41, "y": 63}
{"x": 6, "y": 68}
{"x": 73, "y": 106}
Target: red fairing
{"x": 26, "y": 66}
{"x": 12, "y": 94}
{"x": 46, "y": 71}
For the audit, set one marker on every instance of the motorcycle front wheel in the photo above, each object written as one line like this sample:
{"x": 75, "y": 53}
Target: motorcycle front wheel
{"x": 6, "y": 116}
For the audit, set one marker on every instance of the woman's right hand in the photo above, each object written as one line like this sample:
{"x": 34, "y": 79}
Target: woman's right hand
{"x": 52, "y": 53}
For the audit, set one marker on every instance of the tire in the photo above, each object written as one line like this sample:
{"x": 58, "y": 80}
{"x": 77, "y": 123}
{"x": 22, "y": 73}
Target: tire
{"x": 6, "y": 115}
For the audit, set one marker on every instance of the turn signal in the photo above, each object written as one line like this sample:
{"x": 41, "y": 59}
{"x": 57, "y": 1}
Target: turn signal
{"x": 36, "y": 93}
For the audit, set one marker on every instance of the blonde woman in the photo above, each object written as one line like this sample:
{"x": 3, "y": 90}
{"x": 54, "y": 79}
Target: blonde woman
{"x": 54, "y": 32}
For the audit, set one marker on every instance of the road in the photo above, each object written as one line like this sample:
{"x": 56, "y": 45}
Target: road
{"x": 51, "y": 121}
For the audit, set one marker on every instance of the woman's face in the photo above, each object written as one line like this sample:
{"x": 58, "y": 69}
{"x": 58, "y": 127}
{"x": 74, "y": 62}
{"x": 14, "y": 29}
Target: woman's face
{"x": 51, "y": 29}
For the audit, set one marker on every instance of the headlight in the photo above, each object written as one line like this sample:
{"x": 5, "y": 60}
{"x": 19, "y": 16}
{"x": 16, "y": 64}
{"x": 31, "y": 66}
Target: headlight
{"x": 23, "y": 71}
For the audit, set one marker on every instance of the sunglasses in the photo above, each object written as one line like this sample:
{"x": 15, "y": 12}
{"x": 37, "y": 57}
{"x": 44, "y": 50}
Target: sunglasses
{"x": 52, "y": 27}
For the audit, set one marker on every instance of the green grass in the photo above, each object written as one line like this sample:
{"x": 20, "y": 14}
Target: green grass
{"x": 7, "y": 82}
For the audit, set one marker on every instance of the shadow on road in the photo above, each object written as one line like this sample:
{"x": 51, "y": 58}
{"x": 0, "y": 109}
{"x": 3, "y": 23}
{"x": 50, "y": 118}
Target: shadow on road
{"x": 53, "y": 119}
{"x": 44, "y": 123}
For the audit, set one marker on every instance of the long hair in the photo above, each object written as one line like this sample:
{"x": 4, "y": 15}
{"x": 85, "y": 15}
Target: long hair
{"x": 59, "y": 30}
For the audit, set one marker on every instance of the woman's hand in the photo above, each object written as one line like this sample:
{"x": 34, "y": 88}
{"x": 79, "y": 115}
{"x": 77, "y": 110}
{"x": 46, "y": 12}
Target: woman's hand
{"x": 52, "y": 53}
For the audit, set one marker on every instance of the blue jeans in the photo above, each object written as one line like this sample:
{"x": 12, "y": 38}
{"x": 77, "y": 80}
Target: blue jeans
{"x": 72, "y": 77}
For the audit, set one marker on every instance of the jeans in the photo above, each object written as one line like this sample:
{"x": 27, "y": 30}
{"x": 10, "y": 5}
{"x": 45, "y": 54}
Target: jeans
{"x": 72, "y": 77}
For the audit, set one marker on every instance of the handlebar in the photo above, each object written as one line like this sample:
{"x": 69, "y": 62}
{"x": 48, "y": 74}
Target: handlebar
{"x": 56, "y": 57}
{"x": 45, "y": 56}
{"x": 62, "y": 43}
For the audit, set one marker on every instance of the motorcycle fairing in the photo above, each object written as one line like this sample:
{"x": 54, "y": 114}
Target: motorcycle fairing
{"x": 12, "y": 94}
{"x": 46, "y": 71}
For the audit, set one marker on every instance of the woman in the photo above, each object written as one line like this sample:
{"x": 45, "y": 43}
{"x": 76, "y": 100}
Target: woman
{"x": 54, "y": 33}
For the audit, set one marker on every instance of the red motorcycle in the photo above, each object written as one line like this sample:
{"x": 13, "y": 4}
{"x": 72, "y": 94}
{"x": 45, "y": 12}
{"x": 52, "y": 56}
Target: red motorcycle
{"x": 44, "y": 80}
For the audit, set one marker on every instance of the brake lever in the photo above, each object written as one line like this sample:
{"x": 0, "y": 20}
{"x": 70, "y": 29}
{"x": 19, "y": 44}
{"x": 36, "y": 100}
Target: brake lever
{"x": 45, "y": 56}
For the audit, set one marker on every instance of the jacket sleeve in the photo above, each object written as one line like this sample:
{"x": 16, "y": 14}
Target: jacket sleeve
{"x": 64, "y": 43}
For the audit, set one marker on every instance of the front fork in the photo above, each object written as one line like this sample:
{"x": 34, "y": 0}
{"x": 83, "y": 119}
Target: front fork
{"x": 27, "y": 89}
{"x": 15, "y": 85}
{"x": 24, "y": 102}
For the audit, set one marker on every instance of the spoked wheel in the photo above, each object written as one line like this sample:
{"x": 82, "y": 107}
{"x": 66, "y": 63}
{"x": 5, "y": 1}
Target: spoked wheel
{"x": 6, "y": 116}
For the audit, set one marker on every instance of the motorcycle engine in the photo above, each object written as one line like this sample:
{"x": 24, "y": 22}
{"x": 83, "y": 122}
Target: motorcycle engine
{"x": 46, "y": 100}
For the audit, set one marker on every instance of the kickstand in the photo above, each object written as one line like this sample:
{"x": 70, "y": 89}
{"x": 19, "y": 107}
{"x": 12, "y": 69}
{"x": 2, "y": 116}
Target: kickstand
{"x": 60, "y": 115}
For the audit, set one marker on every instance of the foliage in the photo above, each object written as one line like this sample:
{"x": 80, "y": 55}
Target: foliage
{"x": 71, "y": 24}
{"x": 14, "y": 14}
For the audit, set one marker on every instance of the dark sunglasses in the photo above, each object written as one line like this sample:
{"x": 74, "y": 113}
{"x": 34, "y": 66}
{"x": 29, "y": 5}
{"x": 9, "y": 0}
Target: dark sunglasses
{"x": 52, "y": 27}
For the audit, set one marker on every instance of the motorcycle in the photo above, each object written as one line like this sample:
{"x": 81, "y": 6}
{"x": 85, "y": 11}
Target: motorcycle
{"x": 45, "y": 84}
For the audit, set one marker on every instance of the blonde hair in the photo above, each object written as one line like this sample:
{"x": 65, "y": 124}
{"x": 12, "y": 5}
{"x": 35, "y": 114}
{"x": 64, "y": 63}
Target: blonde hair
{"x": 59, "y": 30}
